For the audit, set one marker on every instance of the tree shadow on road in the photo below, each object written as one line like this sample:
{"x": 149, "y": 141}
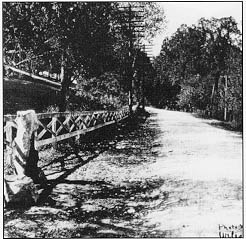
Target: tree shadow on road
{"x": 97, "y": 207}
{"x": 102, "y": 209}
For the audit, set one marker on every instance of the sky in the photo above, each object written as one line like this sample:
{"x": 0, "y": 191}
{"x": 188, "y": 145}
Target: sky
{"x": 189, "y": 13}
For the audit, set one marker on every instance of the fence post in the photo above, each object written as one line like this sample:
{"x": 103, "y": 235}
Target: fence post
{"x": 25, "y": 156}
{"x": 21, "y": 188}
{"x": 9, "y": 139}
{"x": 54, "y": 130}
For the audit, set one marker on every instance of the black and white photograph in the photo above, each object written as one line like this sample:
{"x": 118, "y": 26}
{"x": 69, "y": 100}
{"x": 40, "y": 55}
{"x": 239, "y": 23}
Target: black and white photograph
{"x": 122, "y": 119}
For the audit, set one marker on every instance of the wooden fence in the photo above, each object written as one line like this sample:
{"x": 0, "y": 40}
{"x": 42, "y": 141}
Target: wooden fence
{"x": 54, "y": 127}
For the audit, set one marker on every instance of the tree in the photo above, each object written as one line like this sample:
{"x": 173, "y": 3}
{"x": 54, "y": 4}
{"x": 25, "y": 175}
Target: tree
{"x": 139, "y": 21}
{"x": 199, "y": 59}
{"x": 72, "y": 39}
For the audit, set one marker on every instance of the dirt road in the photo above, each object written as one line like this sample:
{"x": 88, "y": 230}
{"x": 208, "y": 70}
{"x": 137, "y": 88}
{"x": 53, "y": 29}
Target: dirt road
{"x": 174, "y": 175}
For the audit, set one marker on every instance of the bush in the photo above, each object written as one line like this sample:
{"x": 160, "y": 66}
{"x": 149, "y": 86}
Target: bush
{"x": 102, "y": 93}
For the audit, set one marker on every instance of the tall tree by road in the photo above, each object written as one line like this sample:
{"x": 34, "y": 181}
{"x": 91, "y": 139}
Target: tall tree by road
{"x": 198, "y": 59}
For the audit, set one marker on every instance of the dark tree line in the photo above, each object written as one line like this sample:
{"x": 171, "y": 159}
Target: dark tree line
{"x": 200, "y": 68}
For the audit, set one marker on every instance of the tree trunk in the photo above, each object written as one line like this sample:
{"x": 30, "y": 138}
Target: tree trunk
{"x": 142, "y": 101}
{"x": 215, "y": 96}
{"x": 130, "y": 99}
{"x": 63, "y": 98}
{"x": 65, "y": 83}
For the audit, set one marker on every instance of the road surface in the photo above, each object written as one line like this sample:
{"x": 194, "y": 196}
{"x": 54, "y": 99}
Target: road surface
{"x": 174, "y": 175}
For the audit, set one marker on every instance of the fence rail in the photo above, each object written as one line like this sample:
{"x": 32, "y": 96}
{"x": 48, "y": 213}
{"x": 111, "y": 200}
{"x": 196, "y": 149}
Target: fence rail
{"x": 49, "y": 83}
{"x": 54, "y": 127}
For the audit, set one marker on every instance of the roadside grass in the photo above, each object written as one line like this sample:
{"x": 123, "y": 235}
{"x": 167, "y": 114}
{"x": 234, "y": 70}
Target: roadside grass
{"x": 227, "y": 125}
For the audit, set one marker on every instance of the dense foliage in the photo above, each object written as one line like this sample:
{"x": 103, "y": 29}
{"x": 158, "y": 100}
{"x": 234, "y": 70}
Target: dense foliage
{"x": 98, "y": 93}
{"x": 80, "y": 41}
{"x": 200, "y": 68}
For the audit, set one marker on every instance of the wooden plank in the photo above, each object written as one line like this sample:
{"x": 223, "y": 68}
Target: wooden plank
{"x": 54, "y": 129}
{"x": 124, "y": 117}
{"x": 9, "y": 124}
{"x": 59, "y": 129}
{"x": 87, "y": 120}
{"x": 94, "y": 120}
{"x": 105, "y": 117}
{"x": 10, "y": 117}
{"x": 98, "y": 118}
{"x": 9, "y": 139}
{"x": 45, "y": 127}
{"x": 41, "y": 134}
{"x": 9, "y": 133}
{"x": 82, "y": 124}
{"x": 62, "y": 125}
{"x": 69, "y": 135}
{"x": 51, "y": 115}
{"x": 33, "y": 76}
{"x": 67, "y": 122}
{"x": 64, "y": 114}
{"x": 74, "y": 124}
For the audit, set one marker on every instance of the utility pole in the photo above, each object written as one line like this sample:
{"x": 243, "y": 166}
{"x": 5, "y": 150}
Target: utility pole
{"x": 225, "y": 96}
{"x": 131, "y": 80}
{"x": 142, "y": 83}
{"x": 133, "y": 21}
